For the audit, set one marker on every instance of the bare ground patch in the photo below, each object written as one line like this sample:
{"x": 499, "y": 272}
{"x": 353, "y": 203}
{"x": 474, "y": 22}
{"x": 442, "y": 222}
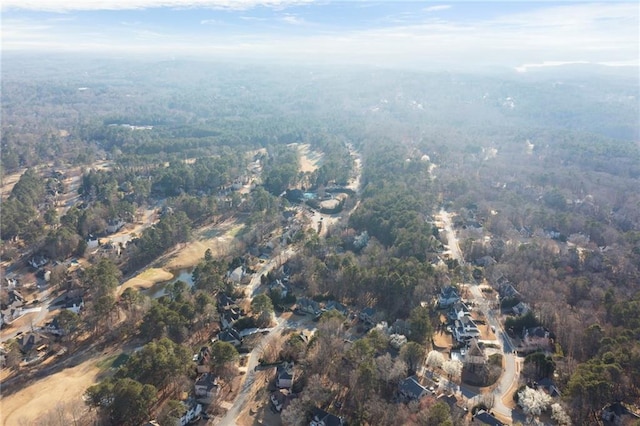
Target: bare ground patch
{"x": 442, "y": 341}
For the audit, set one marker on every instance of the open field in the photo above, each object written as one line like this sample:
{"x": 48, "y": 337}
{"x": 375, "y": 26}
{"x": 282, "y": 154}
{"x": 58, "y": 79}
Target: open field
{"x": 220, "y": 238}
{"x": 43, "y": 397}
{"x": 309, "y": 160}
{"x": 9, "y": 181}
{"x": 146, "y": 279}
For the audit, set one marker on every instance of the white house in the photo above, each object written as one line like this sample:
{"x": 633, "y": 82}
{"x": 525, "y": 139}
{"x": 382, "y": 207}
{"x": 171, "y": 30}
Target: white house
{"x": 465, "y": 328}
{"x": 237, "y": 275}
{"x": 191, "y": 411}
{"x": 285, "y": 375}
{"x": 397, "y": 341}
{"x": 74, "y": 305}
{"x": 38, "y": 262}
{"x": 92, "y": 242}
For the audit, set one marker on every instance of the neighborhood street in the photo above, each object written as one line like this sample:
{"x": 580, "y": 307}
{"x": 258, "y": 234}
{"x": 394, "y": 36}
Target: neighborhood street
{"x": 509, "y": 376}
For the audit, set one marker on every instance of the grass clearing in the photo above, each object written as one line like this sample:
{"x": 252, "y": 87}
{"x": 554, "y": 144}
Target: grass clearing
{"x": 309, "y": 160}
{"x": 43, "y": 396}
{"x": 146, "y": 279}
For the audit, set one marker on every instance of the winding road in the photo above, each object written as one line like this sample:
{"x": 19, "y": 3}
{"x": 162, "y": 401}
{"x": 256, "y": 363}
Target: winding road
{"x": 239, "y": 403}
{"x": 511, "y": 371}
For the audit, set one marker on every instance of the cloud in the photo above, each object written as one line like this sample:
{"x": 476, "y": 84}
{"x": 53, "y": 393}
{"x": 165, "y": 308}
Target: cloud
{"x": 595, "y": 33}
{"x": 436, "y": 8}
{"x": 252, "y": 18}
{"x": 83, "y": 5}
{"x": 293, "y": 19}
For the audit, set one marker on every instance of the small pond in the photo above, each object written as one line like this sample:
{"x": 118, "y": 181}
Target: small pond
{"x": 158, "y": 290}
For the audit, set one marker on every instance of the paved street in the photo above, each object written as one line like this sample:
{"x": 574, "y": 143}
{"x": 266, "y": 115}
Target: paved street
{"x": 511, "y": 370}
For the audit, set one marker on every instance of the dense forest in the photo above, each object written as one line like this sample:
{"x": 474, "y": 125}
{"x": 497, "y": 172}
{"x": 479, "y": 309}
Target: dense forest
{"x": 541, "y": 171}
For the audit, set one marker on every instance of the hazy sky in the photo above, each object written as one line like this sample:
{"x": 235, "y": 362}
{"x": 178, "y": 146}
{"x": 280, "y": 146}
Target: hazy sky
{"x": 379, "y": 32}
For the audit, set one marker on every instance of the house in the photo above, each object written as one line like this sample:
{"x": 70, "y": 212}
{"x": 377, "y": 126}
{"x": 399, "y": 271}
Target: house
{"x": 368, "y": 315}
{"x": 618, "y": 414}
{"x": 410, "y": 389}
{"x": 401, "y": 327}
{"x": 74, "y": 305}
{"x": 228, "y": 317}
{"x": 474, "y": 355}
{"x": 230, "y": 336}
{"x": 279, "y": 400}
{"x": 465, "y": 328}
{"x": 483, "y": 417}
{"x": 458, "y": 310}
{"x": 308, "y": 306}
{"x": 16, "y": 299}
{"x": 336, "y": 306}
{"x": 506, "y": 290}
{"x": 285, "y": 375}
{"x": 92, "y": 242}
{"x": 237, "y": 275}
{"x": 448, "y": 296}
{"x": 536, "y": 337}
{"x": 397, "y": 341}
{"x": 206, "y": 387}
{"x": 30, "y": 342}
{"x": 10, "y": 314}
{"x": 38, "y": 261}
{"x": 521, "y": 309}
{"x": 383, "y": 328}
{"x": 280, "y": 286}
{"x": 322, "y": 418}
{"x": 485, "y": 261}
{"x": 115, "y": 225}
{"x": 225, "y": 301}
{"x": 191, "y": 411}
{"x": 53, "y": 327}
